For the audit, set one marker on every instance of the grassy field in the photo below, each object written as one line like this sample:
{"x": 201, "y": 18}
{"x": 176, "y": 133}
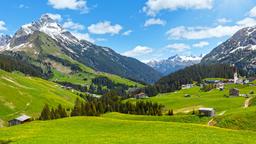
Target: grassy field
{"x": 214, "y": 98}
{"x": 94, "y": 130}
{"x": 174, "y": 118}
{"x": 27, "y": 95}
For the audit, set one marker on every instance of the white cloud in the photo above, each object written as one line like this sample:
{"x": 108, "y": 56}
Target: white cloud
{"x": 126, "y": 33}
{"x": 154, "y": 21}
{"x": 202, "y": 32}
{"x": 137, "y": 51}
{"x": 223, "y": 20}
{"x": 105, "y": 28}
{"x": 247, "y": 22}
{"x": 201, "y": 44}
{"x": 72, "y": 25}
{"x": 252, "y": 12}
{"x": 83, "y": 36}
{"x": 68, "y": 4}
{"x": 152, "y": 7}
{"x": 55, "y": 17}
{"x": 2, "y": 26}
{"x": 178, "y": 46}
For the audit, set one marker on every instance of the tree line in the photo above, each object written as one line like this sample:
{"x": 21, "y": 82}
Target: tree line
{"x": 195, "y": 73}
{"x": 110, "y": 102}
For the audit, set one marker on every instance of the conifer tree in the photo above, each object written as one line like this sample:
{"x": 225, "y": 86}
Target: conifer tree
{"x": 45, "y": 114}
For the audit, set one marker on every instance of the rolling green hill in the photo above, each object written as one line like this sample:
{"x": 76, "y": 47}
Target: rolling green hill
{"x": 214, "y": 98}
{"x": 106, "y": 130}
{"x": 20, "y": 94}
{"x": 243, "y": 118}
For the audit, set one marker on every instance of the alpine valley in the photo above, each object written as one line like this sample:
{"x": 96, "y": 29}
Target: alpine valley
{"x": 58, "y": 88}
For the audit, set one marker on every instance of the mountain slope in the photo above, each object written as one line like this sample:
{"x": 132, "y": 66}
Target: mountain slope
{"x": 174, "y": 63}
{"x": 46, "y": 37}
{"x": 20, "y": 94}
{"x": 240, "y": 50}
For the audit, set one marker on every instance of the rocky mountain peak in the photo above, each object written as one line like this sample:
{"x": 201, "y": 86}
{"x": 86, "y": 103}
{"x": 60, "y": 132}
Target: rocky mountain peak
{"x": 4, "y": 40}
{"x": 174, "y": 63}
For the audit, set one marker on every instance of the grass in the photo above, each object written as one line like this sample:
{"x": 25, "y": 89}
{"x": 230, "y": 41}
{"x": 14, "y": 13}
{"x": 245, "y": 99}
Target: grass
{"x": 174, "y": 118}
{"x": 27, "y": 95}
{"x": 94, "y": 130}
{"x": 243, "y": 118}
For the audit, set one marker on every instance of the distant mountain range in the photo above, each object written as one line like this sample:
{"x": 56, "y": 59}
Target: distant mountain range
{"x": 174, "y": 63}
{"x": 44, "y": 39}
{"x": 240, "y": 50}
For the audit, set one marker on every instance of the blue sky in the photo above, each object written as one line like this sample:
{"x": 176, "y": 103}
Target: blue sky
{"x": 144, "y": 29}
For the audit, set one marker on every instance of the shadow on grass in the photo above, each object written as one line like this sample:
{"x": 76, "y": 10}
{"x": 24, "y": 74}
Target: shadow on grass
{"x": 5, "y": 141}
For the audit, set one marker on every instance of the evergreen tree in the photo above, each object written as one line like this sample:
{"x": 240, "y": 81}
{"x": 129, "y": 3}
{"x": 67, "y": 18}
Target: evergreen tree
{"x": 46, "y": 113}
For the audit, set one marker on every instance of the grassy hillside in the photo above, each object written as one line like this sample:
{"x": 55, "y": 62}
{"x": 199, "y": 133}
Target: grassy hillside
{"x": 214, "y": 98}
{"x": 243, "y": 118}
{"x": 105, "y": 130}
{"x": 20, "y": 94}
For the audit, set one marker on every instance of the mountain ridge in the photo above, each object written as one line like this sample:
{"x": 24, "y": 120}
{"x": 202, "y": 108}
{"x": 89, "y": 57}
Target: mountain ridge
{"x": 59, "y": 42}
{"x": 240, "y": 50}
{"x": 174, "y": 63}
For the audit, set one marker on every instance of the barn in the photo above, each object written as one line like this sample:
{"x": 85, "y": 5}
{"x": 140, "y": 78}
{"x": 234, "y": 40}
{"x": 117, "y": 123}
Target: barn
{"x": 19, "y": 120}
{"x": 209, "y": 112}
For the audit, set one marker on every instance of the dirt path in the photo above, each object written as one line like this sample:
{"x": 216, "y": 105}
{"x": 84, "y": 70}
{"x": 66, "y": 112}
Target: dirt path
{"x": 247, "y": 102}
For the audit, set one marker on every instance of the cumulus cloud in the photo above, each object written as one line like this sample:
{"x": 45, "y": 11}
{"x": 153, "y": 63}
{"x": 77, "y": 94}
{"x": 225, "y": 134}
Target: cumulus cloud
{"x": 178, "y": 46}
{"x": 126, "y": 33}
{"x": 83, "y": 36}
{"x": 2, "y": 26}
{"x": 252, "y": 12}
{"x": 72, "y": 25}
{"x": 247, "y": 22}
{"x": 182, "y": 32}
{"x": 105, "y": 28}
{"x": 201, "y": 44}
{"x": 137, "y": 51}
{"x": 69, "y": 4}
{"x": 154, "y": 21}
{"x": 152, "y": 7}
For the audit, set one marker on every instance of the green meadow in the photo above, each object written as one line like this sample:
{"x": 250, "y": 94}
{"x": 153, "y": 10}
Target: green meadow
{"x": 215, "y": 98}
{"x": 115, "y": 131}
{"x": 28, "y": 95}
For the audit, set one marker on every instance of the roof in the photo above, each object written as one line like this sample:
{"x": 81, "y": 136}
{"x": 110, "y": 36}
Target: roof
{"x": 206, "y": 109}
{"x": 23, "y": 118}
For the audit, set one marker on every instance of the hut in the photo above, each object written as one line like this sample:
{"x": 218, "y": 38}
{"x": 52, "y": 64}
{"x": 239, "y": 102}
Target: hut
{"x": 209, "y": 112}
{"x": 141, "y": 96}
{"x": 19, "y": 120}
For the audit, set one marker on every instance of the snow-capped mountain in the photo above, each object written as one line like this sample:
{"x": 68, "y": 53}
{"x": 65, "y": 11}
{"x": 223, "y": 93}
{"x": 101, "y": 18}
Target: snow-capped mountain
{"x": 46, "y": 38}
{"x": 174, "y": 63}
{"x": 240, "y": 50}
{"x": 4, "y": 40}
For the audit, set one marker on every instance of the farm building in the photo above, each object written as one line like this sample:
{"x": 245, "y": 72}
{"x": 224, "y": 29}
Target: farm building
{"x": 140, "y": 96}
{"x": 220, "y": 86}
{"x": 209, "y": 112}
{"x": 233, "y": 92}
{"x": 187, "y": 86}
{"x": 19, "y": 120}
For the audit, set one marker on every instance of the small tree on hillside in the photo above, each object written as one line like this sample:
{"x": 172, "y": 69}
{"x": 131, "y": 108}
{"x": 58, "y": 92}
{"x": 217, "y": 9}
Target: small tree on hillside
{"x": 46, "y": 113}
{"x": 170, "y": 112}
